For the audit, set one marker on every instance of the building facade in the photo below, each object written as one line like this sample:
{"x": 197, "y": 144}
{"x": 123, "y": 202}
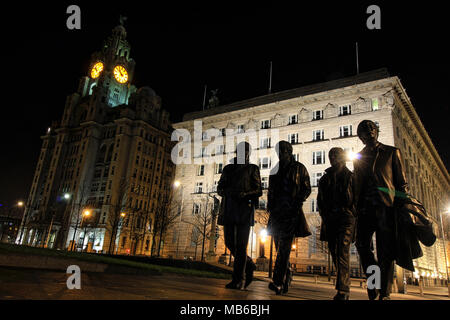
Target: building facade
{"x": 104, "y": 167}
{"x": 313, "y": 119}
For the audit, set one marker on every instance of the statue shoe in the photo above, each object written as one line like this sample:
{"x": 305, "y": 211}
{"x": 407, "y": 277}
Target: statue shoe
{"x": 276, "y": 288}
{"x": 373, "y": 293}
{"x": 287, "y": 281}
{"x": 340, "y": 295}
{"x": 234, "y": 285}
{"x": 249, "y": 275}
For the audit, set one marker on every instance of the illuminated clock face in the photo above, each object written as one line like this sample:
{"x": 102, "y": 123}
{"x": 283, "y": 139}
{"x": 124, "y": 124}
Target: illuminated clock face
{"x": 96, "y": 70}
{"x": 120, "y": 74}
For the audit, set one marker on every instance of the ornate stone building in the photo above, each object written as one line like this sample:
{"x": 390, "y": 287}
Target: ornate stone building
{"x": 314, "y": 119}
{"x": 104, "y": 167}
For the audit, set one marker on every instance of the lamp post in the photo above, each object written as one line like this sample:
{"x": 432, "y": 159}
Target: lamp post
{"x": 445, "y": 251}
{"x": 176, "y": 185}
{"x": 119, "y": 230}
{"x": 24, "y": 220}
{"x": 86, "y": 213}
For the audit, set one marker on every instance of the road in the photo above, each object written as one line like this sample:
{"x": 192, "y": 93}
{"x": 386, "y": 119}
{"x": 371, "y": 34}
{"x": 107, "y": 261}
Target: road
{"x": 16, "y": 283}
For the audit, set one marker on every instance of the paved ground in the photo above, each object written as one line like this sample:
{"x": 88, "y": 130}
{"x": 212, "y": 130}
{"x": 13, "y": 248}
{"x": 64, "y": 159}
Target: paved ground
{"x": 18, "y": 283}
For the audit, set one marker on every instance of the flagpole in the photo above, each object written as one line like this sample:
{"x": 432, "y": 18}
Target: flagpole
{"x": 270, "y": 78}
{"x": 357, "y": 59}
{"x": 204, "y": 98}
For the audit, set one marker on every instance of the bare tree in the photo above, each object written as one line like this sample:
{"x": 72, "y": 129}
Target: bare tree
{"x": 166, "y": 214}
{"x": 116, "y": 207}
{"x": 201, "y": 221}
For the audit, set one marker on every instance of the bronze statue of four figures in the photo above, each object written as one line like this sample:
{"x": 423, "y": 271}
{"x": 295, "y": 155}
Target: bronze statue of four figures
{"x": 352, "y": 206}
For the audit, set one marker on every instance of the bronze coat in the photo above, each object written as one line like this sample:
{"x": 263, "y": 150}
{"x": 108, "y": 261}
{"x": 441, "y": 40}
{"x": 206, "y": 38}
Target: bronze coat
{"x": 282, "y": 215}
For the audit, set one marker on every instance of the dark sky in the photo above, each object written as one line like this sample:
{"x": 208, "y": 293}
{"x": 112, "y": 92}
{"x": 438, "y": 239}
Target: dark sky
{"x": 180, "y": 49}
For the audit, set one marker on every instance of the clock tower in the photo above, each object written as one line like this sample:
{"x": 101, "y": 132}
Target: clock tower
{"x": 111, "y": 71}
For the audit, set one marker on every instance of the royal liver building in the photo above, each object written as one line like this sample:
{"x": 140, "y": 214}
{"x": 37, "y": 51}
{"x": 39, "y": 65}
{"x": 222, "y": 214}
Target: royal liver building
{"x": 313, "y": 119}
{"x": 105, "y": 168}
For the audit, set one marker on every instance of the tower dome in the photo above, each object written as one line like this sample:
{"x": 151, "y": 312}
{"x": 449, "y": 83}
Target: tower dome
{"x": 146, "y": 91}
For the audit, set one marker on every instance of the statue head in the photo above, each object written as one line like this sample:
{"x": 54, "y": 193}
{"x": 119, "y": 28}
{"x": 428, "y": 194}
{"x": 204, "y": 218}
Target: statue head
{"x": 368, "y": 132}
{"x": 337, "y": 157}
{"x": 284, "y": 150}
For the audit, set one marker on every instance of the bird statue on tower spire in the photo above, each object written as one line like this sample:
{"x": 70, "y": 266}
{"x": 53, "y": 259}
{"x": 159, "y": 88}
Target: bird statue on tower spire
{"x": 122, "y": 20}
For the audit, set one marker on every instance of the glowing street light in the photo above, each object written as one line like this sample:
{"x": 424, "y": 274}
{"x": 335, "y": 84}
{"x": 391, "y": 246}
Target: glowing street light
{"x": 66, "y": 196}
{"x": 177, "y": 183}
{"x": 86, "y": 213}
{"x": 20, "y": 203}
{"x": 263, "y": 235}
{"x": 123, "y": 214}
{"x": 353, "y": 156}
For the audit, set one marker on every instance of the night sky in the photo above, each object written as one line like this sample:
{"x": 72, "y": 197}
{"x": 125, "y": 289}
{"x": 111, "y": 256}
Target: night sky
{"x": 180, "y": 49}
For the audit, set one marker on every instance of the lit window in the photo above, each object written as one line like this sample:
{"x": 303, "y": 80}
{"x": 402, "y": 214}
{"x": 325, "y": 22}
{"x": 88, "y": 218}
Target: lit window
{"x": 220, "y": 149}
{"x": 375, "y": 104}
{"x": 345, "y": 131}
{"x": 199, "y": 187}
{"x": 317, "y": 114}
{"x": 265, "y": 143}
{"x": 345, "y": 110}
{"x": 265, "y": 124}
{"x": 265, "y": 182}
{"x": 318, "y": 157}
{"x": 315, "y": 178}
{"x": 293, "y": 119}
{"x": 219, "y": 168}
{"x": 264, "y": 163}
{"x": 318, "y": 135}
{"x": 293, "y": 138}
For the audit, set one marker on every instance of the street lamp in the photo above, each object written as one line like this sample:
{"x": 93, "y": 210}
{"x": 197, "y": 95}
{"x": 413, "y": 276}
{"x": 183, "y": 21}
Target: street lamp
{"x": 24, "y": 219}
{"x": 445, "y": 251}
{"x": 86, "y": 213}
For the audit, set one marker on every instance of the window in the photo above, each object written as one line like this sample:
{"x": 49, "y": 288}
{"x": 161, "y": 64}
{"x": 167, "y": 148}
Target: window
{"x": 196, "y": 209}
{"x": 345, "y": 110}
{"x": 293, "y": 119}
{"x": 201, "y": 170}
{"x": 218, "y": 168}
{"x": 262, "y": 204}
{"x": 220, "y": 149}
{"x": 223, "y": 132}
{"x": 265, "y": 182}
{"x": 204, "y": 153}
{"x": 318, "y": 157}
{"x": 375, "y": 104}
{"x": 317, "y": 114}
{"x": 315, "y": 178}
{"x": 293, "y": 138}
{"x": 204, "y": 135}
{"x": 240, "y": 128}
{"x": 314, "y": 207}
{"x": 265, "y": 143}
{"x": 296, "y": 156}
{"x": 345, "y": 131}
{"x": 199, "y": 187}
{"x": 265, "y": 124}
{"x": 318, "y": 135}
{"x": 264, "y": 163}
{"x": 214, "y": 189}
